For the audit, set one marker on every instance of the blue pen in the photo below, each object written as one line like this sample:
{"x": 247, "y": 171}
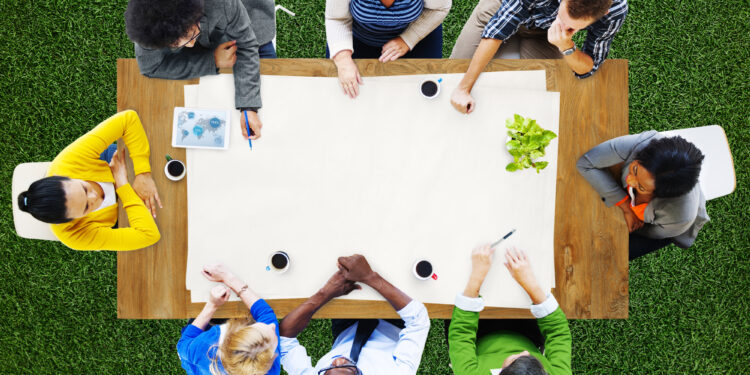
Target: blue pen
{"x": 247, "y": 125}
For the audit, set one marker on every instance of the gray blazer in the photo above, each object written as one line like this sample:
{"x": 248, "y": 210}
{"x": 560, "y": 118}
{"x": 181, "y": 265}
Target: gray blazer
{"x": 250, "y": 22}
{"x": 679, "y": 218}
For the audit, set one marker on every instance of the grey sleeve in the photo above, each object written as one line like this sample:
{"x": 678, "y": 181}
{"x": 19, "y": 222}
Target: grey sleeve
{"x": 186, "y": 64}
{"x": 671, "y": 218}
{"x": 247, "y": 68}
{"x": 591, "y": 166}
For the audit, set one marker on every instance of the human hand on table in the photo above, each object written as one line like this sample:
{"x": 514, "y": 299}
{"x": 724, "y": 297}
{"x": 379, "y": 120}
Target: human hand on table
{"x": 338, "y": 286}
{"x": 255, "y": 124}
{"x": 219, "y": 295}
{"x": 349, "y": 76}
{"x": 462, "y": 101}
{"x": 356, "y": 268}
{"x": 519, "y": 266}
{"x": 145, "y": 187}
{"x": 393, "y": 49}
{"x": 481, "y": 261}
{"x": 119, "y": 169}
{"x": 225, "y": 55}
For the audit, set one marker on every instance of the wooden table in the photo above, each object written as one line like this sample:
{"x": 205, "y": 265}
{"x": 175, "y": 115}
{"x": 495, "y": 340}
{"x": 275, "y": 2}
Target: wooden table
{"x": 591, "y": 257}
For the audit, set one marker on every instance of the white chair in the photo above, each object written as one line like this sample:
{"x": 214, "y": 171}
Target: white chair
{"x": 717, "y": 177}
{"x": 26, "y": 225}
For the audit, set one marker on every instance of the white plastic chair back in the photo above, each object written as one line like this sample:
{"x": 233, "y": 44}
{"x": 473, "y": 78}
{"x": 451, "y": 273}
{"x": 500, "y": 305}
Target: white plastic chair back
{"x": 717, "y": 177}
{"x": 26, "y": 225}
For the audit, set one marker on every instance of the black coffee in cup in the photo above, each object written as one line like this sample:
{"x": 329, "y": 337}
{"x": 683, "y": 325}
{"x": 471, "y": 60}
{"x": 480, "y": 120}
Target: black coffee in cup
{"x": 429, "y": 88}
{"x": 279, "y": 261}
{"x": 424, "y": 269}
{"x": 175, "y": 168}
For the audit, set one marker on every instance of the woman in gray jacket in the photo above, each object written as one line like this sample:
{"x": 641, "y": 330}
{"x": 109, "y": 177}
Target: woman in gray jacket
{"x": 654, "y": 180}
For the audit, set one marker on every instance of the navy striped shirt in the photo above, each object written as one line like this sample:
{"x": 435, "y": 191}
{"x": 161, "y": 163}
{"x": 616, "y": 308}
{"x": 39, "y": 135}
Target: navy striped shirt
{"x": 374, "y": 24}
{"x": 541, "y": 13}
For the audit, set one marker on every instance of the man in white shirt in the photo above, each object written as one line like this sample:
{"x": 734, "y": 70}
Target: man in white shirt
{"x": 366, "y": 346}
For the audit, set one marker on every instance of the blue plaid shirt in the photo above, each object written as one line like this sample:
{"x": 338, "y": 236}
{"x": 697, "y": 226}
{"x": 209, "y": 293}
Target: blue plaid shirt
{"x": 540, "y": 14}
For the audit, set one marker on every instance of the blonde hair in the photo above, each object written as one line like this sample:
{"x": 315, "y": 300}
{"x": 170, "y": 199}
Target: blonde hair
{"x": 246, "y": 350}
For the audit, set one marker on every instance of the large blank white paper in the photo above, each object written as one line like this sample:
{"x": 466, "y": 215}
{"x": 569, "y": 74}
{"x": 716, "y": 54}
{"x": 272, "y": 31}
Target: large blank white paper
{"x": 391, "y": 175}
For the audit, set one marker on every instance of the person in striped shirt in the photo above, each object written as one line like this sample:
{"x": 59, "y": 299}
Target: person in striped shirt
{"x": 545, "y": 29}
{"x": 382, "y": 29}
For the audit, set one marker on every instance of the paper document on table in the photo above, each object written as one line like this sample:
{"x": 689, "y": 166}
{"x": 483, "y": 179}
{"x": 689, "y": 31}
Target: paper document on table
{"x": 391, "y": 175}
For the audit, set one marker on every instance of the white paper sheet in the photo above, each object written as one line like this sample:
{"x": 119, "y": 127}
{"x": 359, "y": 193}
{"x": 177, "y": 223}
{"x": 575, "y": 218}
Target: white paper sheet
{"x": 521, "y": 80}
{"x": 391, "y": 175}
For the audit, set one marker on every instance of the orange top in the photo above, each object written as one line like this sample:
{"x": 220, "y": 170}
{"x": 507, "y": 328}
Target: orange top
{"x": 638, "y": 210}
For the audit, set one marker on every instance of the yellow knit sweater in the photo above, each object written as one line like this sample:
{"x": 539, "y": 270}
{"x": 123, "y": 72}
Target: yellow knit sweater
{"x": 81, "y": 160}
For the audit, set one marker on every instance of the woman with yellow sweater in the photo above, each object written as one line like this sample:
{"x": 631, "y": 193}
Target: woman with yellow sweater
{"x": 79, "y": 196}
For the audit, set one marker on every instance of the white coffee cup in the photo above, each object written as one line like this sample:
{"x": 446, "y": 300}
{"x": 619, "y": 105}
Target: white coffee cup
{"x": 271, "y": 265}
{"x": 432, "y": 274}
{"x": 175, "y": 178}
{"x": 427, "y": 85}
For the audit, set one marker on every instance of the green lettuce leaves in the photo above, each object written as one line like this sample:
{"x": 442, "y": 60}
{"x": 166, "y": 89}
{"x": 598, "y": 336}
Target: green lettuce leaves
{"x": 527, "y": 143}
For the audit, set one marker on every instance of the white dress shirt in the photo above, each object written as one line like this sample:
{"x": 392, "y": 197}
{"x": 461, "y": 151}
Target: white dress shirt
{"x": 110, "y": 197}
{"x": 389, "y": 351}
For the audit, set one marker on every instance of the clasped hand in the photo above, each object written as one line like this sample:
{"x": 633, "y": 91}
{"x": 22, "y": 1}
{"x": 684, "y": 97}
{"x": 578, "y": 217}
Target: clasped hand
{"x": 143, "y": 185}
{"x": 352, "y": 269}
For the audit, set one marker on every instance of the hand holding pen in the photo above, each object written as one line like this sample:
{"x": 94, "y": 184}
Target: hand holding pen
{"x": 250, "y": 124}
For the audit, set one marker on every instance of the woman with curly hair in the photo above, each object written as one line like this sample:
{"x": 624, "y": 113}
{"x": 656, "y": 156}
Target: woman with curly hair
{"x": 655, "y": 183}
{"x": 184, "y": 39}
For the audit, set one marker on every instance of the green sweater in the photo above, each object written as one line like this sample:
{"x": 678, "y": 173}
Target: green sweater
{"x": 470, "y": 356}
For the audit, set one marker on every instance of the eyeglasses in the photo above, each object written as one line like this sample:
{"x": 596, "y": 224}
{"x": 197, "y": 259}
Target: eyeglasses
{"x": 347, "y": 365}
{"x": 196, "y": 34}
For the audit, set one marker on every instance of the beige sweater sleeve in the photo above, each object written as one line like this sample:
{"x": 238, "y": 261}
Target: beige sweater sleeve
{"x": 432, "y": 16}
{"x": 338, "y": 26}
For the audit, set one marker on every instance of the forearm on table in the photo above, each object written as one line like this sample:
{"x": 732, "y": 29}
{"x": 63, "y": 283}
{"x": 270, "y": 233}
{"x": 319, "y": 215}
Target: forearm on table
{"x": 201, "y": 321}
{"x": 248, "y": 296}
{"x": 393, "y": 295}
{"x": 535, "y": 292}
{"x": 482, "y": 56}
{"x": 473, "y": 286}
{"x": 296, "y": 321}
{"x": 580, "y": 62}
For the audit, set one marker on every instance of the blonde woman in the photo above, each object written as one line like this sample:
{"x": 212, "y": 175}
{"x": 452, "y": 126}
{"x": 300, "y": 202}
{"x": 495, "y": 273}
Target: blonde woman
{"x": 240, "y": 346}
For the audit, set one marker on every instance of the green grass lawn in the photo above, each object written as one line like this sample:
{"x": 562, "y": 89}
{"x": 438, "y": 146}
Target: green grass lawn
{"x": 689, "y": 309}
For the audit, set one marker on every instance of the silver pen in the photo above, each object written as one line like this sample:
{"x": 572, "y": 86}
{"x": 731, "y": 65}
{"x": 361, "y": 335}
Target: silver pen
{"x": 503, "y": 239}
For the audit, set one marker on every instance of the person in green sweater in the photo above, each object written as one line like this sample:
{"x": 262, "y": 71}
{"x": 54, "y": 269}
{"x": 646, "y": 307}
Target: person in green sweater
{"x": 495, "y": 346}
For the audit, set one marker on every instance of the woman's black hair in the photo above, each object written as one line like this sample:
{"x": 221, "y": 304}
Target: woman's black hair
{"x": 157, "y": 24}
{"x": 45, "y": 200}
{"x": 525, "y": 365}
{"x": 675, "y": 164}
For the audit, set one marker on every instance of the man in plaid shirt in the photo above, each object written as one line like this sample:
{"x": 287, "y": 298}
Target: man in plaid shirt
{"x": 543, "y": 28}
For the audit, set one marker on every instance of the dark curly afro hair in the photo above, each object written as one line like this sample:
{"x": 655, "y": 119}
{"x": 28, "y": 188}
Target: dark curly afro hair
{"x": 159, "y": 23}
